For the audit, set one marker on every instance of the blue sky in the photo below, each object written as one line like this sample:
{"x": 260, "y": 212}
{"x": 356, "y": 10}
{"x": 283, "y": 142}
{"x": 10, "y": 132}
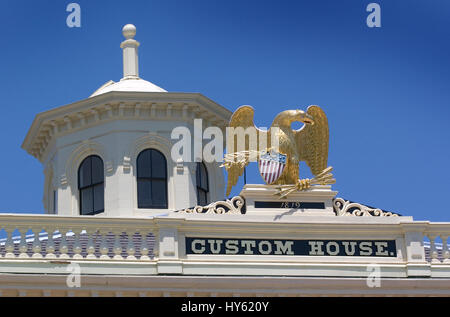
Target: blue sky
{"x": 385, "y": 90}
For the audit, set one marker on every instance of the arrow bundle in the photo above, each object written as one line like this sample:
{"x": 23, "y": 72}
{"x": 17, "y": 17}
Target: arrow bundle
{"x": 323, "y": 178}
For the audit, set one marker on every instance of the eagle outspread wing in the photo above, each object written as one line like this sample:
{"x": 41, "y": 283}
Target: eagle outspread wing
{"x": 312, "y": 141}
{"x": 237, "y": 159}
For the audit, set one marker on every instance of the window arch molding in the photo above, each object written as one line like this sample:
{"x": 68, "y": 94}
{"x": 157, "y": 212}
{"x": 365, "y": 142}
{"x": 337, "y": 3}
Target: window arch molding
{"x": 70, "y": 178}
{"x": 152, "y": 140}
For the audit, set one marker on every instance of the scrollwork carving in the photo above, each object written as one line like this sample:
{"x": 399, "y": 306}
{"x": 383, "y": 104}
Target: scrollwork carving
{"x": 347, "y": 208}
{"x": 230, "y": 206}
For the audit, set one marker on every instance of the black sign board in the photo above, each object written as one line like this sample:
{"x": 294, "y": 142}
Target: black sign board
{"x": 289, "y": 204}
{"x": 216, "y": 246}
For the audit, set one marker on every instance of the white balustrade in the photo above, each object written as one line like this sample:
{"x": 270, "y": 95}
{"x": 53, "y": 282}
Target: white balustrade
{"x": 32, "y": 237}
{"x": 433, "y": 232}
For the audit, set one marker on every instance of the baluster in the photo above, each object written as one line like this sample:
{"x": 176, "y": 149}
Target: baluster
{"x": 50, "y": 248}
{"x": 433, "y": 250}
{"x": 23, "y": 247}
{"x": 117, "y": 246}
{"x": 37, "y": 244}
{"x": 145, "y": 248}
{"x": 90, "y": 248}
{"x": 445, "y": 251}
{"x": 9, "y": 245}
{"x": 104, "y": 245}
{"x": 131, "y": 250}
{"x": 77, "y": 245}
{"x": 63, "y": 247}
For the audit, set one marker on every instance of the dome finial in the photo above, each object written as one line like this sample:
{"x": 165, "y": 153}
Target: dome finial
{"x": 129, "y": 31}
{"x": 130, "y": 53}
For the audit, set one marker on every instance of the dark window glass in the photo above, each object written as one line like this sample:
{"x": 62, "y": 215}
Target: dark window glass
{"x": 86, "y": 201}
{"x": 144, "y": 190}
{"x": 202, "y": 199}
{"x": 158, "y": 165}
{"x": 91, "y": 186}
{"x": 143, "y": 165}
{"x": 85, "y": 173}
{"x": 159, "y": 192}
{"x": 204, "y": 179}
{"x": 152, "y": 179}
{"x": 99, "y": 201}
{"x": 202, "y": 184}
{"x": 97, "y": 170}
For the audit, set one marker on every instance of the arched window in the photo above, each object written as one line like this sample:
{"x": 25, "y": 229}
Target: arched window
{"x": 151, "y": 179}
{"x": 202, "y": 184}
{"x": 91, "y": 187}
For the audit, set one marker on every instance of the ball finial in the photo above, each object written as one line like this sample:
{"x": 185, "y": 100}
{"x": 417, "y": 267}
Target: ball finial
{"x": 129, "y": 31}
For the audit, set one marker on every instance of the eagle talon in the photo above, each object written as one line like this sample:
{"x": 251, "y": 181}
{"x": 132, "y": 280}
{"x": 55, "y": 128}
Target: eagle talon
{"x": 303, "y": 184}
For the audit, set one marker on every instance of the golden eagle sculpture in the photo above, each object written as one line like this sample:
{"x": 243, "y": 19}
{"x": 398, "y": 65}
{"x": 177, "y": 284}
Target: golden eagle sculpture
{"x": 285, "y": 148}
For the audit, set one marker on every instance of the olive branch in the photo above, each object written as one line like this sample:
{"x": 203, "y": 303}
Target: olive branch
{"x": 323, "y": 178}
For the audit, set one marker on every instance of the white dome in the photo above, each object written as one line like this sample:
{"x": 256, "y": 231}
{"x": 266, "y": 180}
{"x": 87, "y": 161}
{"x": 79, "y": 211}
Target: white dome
{"x": 134, "y": 85}
{"x": 130, "y": 81}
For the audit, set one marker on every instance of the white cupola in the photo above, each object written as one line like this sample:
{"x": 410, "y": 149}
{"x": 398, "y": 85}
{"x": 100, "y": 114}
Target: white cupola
{"x": 110, "y": 154}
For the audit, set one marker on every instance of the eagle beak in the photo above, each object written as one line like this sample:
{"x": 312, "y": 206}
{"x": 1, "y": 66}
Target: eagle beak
{"x": 308, "y": 119}
{"x": 304, "y": 117}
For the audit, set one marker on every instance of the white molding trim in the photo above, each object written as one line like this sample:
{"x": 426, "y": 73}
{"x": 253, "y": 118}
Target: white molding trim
{"x": 252, "y": 286}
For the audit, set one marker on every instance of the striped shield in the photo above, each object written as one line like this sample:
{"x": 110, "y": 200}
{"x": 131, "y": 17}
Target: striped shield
{"x": 271, "y": 166}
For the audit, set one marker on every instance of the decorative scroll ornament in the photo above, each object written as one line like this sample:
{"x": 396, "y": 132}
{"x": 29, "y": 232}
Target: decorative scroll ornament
{"x": 230, "y": 206}
{"x": 346, "y": 208}
{"x": 308, "y": 144}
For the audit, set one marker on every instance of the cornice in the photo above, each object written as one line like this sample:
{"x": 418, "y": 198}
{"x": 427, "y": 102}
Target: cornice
{"x": 120, "y": 106}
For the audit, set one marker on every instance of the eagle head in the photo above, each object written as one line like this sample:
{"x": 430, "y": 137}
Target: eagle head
{"x": 286, "y": 118}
